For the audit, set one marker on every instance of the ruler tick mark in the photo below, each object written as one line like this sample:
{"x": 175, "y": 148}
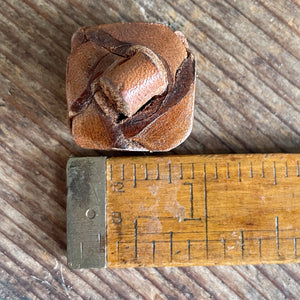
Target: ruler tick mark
{"x": 295, "y": 246}
{"x": 171, "y": 245}
{"x": 224, "y": 247}
{"x": 192, "y": 171}
{"x": 251, "y": 170}
{"x": 117, "y": 249}
{"x": 134, "y": 175}
{"x": 157, "y": 172}
{"x": 298, "y": 172}
{"x": 239, "y": 172}
{"x": 189, "y": 249}
{"x": 216, "y": 171}
{"x": 242, "y": 243}
{"x": 277, "y": 235}
{"x": 181, "y": 172}
{"x": 286, "y": 170}
{"x": 135, "y": 238}
{"x": 169, "y": 173}
{"x": 191, "y": 199}
{"x": 262, "y": 170}
{"x": 146, "y": 172}
{"x": 153, "y": 251}
{"x": 274, "y": 172}
{"x": 259, "y": 246}
{"x": 205, "y": 209}
{"x": 227, "y": 166}
{"x": 122, "y": 172}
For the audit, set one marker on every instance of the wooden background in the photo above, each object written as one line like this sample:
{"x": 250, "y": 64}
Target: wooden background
{"x": 247, "y": 100}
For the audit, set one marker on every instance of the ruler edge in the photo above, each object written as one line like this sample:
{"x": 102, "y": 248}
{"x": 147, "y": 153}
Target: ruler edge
{"x": 106, "y": 161}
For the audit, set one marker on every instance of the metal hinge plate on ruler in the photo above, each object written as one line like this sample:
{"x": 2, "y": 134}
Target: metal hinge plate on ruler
{"x": 86, "y": 233}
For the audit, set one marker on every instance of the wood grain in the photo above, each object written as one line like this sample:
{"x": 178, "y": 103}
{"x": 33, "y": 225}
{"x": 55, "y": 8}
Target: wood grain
{"x": 247, "y": 100}
{"x": 201, "y": 210}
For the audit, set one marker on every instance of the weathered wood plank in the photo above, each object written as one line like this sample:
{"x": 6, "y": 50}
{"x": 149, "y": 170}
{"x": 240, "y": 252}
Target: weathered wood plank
{"x": 190, "y": 289}
{"x": 118, "y": 284}
{"x": 30, "y": 151}
{"x": 282, "y": 280}
{"x": 239, "y": 284}
{"x": 15, "y": 40}
{"x": 286, "y": 64}
{"x": 288, "y": 11}
{"x": 166, "y": 287}
{"x": 212, "y": 283}
{"x": 264, "y": 19}
{"x": 261, "y": 283}
{"x": 28, "y": 35}
{"x": 48, "y": 115}
{"x": 13, "y": 286}
{"x": 229, "y": 64}
{"x": 241, "y": 54}
{"x": 26, "y": 60}
{"x": 293, "y": 270}
{"x": 44, "y": 26}
{"x": 27, "y": 199}
{"x": 50, "y": 12}
{"x": 247, "y": 100}
{"x": 28, "y": 273}
{"x": 133, "y": 278}
{"x": 82, "y": 284}
{"x": 6, "y": 289}
{"x": 80, "y": 17}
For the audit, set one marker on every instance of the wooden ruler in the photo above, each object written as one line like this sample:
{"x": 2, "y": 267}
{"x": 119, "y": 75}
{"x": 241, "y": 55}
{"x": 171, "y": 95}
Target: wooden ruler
{"x": 183, "y": 210}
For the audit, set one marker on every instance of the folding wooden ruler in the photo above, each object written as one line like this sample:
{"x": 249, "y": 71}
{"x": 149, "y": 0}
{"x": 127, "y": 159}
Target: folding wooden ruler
{"x": 183, "y": 210}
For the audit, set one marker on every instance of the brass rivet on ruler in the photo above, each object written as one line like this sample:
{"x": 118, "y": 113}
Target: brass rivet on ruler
{"x": 90, "y": 213}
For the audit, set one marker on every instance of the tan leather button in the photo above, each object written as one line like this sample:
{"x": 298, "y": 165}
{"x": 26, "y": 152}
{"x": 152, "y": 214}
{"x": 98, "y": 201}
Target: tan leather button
{"x": 133, "y": 83}
{"x": 130, "y": 87}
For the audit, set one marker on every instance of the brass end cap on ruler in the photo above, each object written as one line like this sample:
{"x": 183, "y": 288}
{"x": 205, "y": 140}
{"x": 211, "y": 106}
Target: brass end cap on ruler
{"x": 86, "y": 212}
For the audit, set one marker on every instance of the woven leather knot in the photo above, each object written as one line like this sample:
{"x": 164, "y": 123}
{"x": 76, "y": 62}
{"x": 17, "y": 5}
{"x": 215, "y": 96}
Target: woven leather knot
{"x": 123, "y": 80}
